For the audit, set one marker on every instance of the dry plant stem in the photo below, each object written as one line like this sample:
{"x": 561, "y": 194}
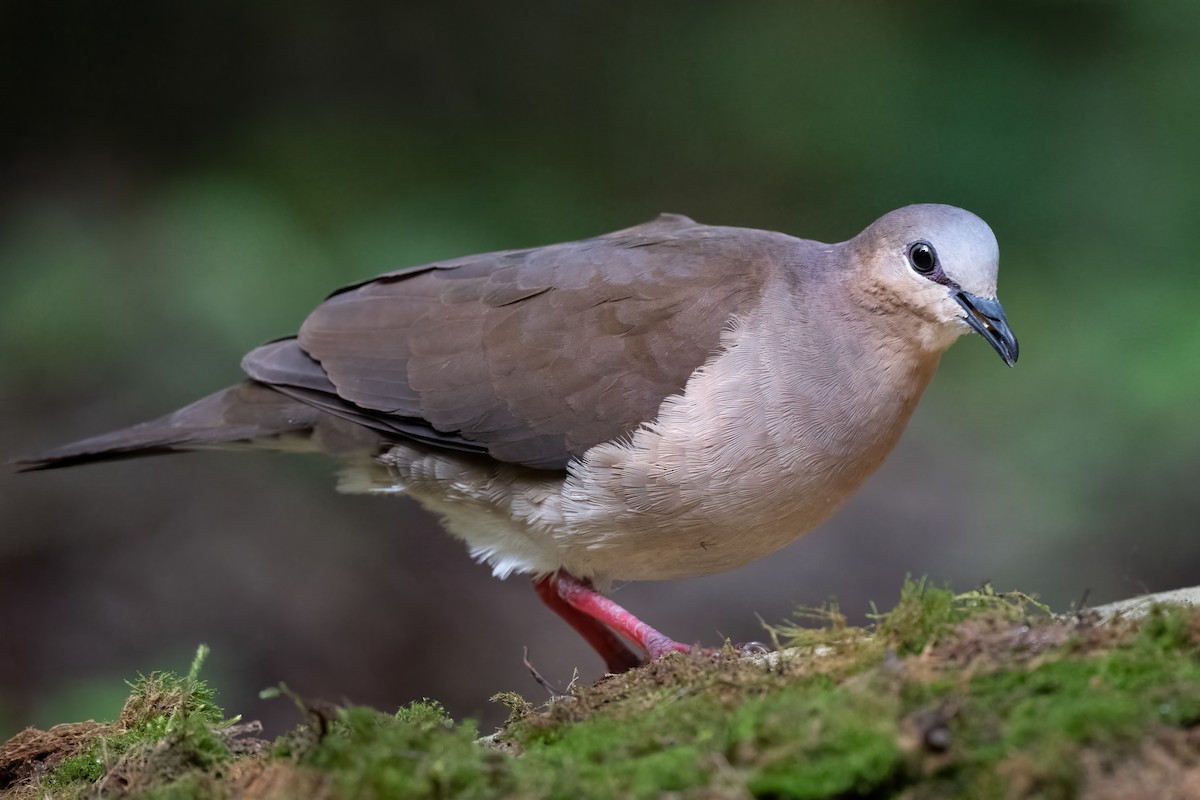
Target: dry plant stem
{"x": 537, "y": 676}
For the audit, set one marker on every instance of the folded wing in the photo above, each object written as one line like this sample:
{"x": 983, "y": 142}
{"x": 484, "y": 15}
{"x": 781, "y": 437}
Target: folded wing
{"x": 531, "y": 356}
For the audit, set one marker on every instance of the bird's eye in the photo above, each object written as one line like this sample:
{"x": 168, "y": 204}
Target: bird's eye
{"x": 923, "y": 257}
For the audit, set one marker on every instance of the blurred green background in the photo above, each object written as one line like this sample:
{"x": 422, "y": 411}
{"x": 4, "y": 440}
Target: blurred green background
{"x": 183, "y": 181}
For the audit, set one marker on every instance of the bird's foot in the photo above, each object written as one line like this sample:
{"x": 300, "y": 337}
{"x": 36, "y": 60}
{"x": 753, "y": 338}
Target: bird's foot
{"x": 658, "y": 645}
{"x": 617, "y": 654}
{"x": 600, "y": 620}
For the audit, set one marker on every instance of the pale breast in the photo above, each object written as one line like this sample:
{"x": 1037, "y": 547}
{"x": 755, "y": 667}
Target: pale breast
{"x": 767, "y": 440}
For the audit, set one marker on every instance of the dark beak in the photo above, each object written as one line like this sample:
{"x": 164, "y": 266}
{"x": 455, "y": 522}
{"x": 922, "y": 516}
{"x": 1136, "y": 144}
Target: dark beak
{"x": 987, "y": 318}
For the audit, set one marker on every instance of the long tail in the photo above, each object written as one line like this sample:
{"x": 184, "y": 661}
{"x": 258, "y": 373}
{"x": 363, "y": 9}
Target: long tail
{"x": 245, "y": 413}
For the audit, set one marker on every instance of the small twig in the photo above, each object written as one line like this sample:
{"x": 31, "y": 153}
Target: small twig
{"x": 537, "y": 676}
{"x": 1083, "y": 601}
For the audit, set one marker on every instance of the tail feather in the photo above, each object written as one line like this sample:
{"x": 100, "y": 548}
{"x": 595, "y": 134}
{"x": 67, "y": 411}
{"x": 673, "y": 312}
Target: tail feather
{"x": 243, "y": 413}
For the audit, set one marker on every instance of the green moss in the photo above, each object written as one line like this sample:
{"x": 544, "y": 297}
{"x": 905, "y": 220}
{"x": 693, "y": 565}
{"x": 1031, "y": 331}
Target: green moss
{"x": 89, "y": 765}
{"x": 195, "y": 744}
{"x": 191, "y": 786}
{"x": 162, "y": 699}
{"x": 835, "y": 741}
{"x": 923, "y": 613}
{"x": 1042, "y": 716}
{"x": 968, "y": 695}
{"x": 798, "y": 737}
{"x": 1169, "y": 628}
{"x": 604, "y": 757}
{"x": 160, "y": 705}
{"x": 418, "y": 752}
{"x": 85, "y": 768}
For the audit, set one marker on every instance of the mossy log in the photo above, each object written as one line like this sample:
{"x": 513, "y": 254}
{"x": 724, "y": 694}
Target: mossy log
{"x": 974, "y": 695}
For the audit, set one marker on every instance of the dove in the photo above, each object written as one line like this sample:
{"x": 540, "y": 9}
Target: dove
{"x": 666, "y": 401}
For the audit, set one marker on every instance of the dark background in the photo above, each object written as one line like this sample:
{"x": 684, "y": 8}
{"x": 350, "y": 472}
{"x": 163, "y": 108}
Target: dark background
{"x": 180, "y": 182}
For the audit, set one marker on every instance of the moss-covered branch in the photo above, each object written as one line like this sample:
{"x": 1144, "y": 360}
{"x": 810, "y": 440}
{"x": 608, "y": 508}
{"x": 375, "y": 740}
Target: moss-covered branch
{"x": 975, "y": 695}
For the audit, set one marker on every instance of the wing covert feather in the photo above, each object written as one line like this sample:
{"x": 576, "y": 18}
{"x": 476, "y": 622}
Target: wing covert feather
{"x": 537, "y": 355}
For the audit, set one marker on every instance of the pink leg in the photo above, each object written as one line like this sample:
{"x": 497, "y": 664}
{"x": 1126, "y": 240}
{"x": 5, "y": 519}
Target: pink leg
{"x": 617, "y": 655}
{"x": 599, "y": 609}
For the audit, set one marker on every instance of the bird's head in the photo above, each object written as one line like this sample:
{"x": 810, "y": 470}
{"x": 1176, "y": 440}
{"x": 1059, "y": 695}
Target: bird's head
{"x": 938, "y": 262}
